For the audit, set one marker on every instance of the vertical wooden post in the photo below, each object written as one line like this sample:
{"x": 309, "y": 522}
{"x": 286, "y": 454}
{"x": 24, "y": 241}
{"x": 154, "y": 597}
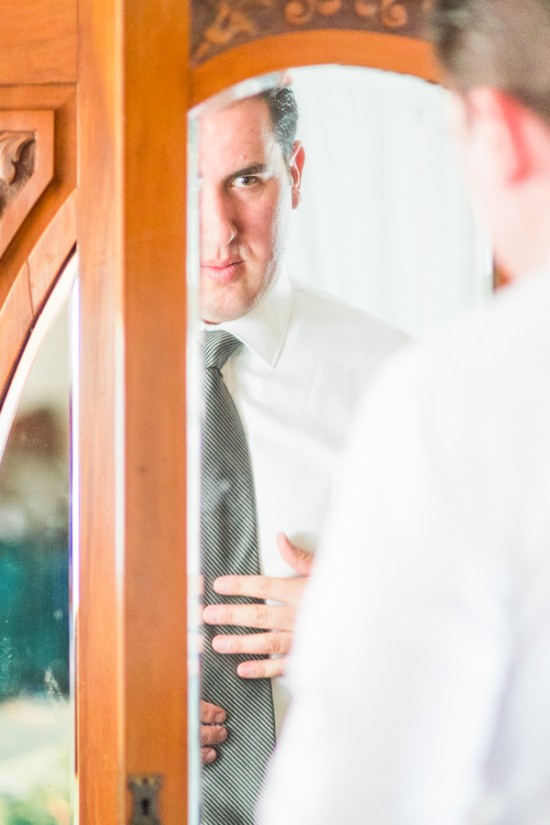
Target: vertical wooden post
{"x": 131, "y": 624}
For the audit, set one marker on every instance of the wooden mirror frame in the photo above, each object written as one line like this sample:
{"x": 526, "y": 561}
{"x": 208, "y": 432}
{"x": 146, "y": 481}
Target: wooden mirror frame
{"x": 372, "y": 50}
{"x": 127, "y": 72}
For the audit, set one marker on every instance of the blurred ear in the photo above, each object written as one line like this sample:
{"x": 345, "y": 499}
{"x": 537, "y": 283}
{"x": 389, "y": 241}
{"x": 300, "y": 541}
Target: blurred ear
{"x": 493, "y": 126}
{"x": 296, "y": 167}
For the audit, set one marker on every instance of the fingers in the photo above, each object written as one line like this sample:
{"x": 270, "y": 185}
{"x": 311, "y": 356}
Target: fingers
{"x": 261, "y": 644}
{"x": 211, "y": 731}
{"x": 210, "y": 714}
{"x": 262, "y": 668}
{"x": 300, "y": 560}
{"x": 287, "y": 590}
{"x": 262, "y": 616}
{"x": 212, "y": 735}
{"x": 208, "y": 755}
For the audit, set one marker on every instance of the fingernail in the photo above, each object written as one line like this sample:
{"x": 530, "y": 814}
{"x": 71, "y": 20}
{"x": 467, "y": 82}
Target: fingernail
{"x": 211, "y": 614}
{"x": 223, "y": 585}
{"x": 245, "y": 669}
{"x": 222, "y": 736}
{"x": 222, "y": 644}
{"x": 219, "y": 718}
{"x": 209, "y": 756}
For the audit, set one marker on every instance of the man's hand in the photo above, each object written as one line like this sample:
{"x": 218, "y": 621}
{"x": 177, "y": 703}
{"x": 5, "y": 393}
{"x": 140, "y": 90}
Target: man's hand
{"x": 212, "y": 731}
{"x": 277, "y": 641}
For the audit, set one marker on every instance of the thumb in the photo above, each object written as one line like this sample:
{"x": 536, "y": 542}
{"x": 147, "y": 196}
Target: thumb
{"x": 300, "y": 560}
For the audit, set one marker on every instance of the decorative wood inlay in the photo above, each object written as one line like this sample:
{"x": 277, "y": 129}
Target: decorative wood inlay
{"x": 26, "y": 166}
{"x": 220, "y": 24}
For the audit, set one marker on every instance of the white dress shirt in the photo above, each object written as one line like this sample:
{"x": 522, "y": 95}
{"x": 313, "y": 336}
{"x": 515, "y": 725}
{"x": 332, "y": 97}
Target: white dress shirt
{"x": 421, "y": 668}
{"x": 296, "y": 381}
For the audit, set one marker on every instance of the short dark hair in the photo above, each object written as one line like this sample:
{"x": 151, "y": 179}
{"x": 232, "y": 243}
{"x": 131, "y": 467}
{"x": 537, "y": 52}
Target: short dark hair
{"x": 498, "y": 43}
{"x": 283, "y": 109}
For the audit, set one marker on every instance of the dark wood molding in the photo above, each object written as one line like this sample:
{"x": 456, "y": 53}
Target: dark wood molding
{"x": 218, "y": 25}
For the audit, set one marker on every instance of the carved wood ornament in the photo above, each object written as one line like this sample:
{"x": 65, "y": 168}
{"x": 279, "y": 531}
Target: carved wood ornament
{"x": 221, "y": 24}
{"x": 11, "y": 146}
{"x": 26, "y": 166}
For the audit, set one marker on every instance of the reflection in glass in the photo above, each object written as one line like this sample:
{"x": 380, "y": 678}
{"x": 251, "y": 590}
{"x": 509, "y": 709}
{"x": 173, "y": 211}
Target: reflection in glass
{"x": 36, "y": 740}
{"x": 383, "y": 224}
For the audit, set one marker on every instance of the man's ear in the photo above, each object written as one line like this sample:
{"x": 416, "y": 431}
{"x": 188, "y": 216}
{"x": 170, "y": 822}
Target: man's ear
{"x": 496, "y": 123}
{"x": 296, "y": 167}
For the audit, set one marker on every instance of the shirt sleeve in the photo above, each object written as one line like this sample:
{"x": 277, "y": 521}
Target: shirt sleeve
{"x": 402, "y": 645}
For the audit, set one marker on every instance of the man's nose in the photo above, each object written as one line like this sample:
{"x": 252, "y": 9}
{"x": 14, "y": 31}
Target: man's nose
{"x": 217, "y": 224}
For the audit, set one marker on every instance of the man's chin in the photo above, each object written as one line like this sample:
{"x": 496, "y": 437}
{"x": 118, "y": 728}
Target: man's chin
{"x": 219, "y": 311}
{"x": 219, "y": 315}
{"x": 221, "y": 305}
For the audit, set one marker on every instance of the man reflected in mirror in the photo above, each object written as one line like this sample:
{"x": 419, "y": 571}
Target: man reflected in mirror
{"x": 298, "y": 361}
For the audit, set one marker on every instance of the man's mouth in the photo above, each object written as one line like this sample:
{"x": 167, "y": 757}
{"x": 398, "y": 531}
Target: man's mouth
{"x": 221, "y": 272}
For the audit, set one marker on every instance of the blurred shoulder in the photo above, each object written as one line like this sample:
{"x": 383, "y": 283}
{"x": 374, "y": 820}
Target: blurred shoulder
{"x": 484, "y": 376}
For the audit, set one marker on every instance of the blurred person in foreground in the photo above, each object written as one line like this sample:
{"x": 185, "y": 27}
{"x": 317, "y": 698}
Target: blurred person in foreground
{"x": 436, "y": 707}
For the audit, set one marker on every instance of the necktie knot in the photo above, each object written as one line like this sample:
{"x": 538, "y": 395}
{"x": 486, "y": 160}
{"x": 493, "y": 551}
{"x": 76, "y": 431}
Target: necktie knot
{"x": 218, "y": 346}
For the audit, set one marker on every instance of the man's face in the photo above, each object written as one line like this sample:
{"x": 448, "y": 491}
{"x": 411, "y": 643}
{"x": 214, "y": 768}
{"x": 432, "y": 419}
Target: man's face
{"x": 247, "y": 192}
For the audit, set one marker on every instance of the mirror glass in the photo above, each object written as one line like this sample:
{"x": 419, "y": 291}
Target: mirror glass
{"x": 380, "y": 247}
{"x": 36, "y": 726}
{"x": 384, "y": 222}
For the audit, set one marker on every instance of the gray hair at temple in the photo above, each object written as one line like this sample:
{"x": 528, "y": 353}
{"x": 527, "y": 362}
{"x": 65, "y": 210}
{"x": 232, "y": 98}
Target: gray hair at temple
{"x": 501, "y": 44}
{"x": 284, "y": 116}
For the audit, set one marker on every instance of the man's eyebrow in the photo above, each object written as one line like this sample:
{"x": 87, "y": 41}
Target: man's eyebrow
{"x": 254, "y": 169}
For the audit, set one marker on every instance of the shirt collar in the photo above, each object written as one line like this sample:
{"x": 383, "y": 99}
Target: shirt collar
{"x": 263, "y": 330}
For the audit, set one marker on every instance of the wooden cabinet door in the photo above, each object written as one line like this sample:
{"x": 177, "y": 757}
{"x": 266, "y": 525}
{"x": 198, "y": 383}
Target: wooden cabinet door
{"x": 132, "y": 499}
{"x": 103, "y": 88}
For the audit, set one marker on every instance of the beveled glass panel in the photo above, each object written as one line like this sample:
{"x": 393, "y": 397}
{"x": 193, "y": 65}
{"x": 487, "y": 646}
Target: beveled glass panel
{"x": 36, "y": 727}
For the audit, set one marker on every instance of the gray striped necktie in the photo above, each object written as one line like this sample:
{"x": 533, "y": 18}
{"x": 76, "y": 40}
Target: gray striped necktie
{"x": 229, "y": 545}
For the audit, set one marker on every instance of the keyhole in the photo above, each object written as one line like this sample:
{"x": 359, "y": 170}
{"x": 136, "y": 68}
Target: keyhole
{"x": 145, "y": 798}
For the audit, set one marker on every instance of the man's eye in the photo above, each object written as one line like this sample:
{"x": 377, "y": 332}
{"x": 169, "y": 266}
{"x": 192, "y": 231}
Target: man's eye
{"x": 245, "y": 181}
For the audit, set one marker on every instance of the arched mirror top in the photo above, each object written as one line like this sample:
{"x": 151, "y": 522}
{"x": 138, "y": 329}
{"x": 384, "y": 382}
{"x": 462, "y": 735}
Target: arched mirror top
{"x": 234, "y": 40}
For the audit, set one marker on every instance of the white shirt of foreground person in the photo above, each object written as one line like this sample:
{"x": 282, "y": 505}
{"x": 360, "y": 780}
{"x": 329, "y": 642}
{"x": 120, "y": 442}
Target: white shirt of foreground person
{"x": 296, "y": 382}
{"x": 435, "y": 709}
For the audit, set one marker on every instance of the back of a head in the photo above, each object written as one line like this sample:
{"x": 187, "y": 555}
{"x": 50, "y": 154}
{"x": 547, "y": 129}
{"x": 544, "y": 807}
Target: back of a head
{"x": 501, "y": 44}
